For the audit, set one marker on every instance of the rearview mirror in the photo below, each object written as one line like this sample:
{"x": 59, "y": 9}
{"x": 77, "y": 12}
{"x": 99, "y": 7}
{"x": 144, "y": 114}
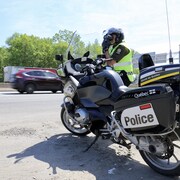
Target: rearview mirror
{"x": 86, "y": 54}
{"x": 59, "y": 57}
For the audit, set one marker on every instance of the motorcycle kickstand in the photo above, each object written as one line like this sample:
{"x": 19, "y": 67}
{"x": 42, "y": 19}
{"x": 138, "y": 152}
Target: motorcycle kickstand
{"x": 96, "y": 138}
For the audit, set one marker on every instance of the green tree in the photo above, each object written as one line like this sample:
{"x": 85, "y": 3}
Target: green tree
{"x": 3, "y": 57}
{"x": 73, "y": 40}
{"x": 44, "y": 53}
{"x": 31, "y": 51}
{"x": 21, "y": 49}
{"x": 63, "y": 35}
{"x": 95, "y": 49}
{"x": 3, "y": 60}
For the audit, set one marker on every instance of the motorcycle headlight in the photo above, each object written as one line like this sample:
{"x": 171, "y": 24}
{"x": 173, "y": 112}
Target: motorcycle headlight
{"x": 69, "y": 89}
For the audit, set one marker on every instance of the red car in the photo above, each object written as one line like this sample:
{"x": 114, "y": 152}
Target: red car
{"x": 30, "y": 80}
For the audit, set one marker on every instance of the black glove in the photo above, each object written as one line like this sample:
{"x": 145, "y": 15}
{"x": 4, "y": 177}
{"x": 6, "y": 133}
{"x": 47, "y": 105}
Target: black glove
{"x": 106, "y": 43}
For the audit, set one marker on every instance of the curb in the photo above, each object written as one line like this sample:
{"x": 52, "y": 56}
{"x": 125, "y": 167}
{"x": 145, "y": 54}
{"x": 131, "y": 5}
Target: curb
{"x": 5, "y": 87}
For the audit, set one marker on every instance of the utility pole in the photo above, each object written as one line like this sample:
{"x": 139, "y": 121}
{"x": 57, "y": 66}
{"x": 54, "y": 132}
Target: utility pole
{"x": 170, "y": 52}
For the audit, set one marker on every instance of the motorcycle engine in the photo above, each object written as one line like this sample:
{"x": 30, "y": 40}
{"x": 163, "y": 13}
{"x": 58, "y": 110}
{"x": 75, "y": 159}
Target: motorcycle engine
{"x": 81, "y": 115}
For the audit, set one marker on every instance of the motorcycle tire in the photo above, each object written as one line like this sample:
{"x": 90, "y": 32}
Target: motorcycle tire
{"x": 164, "y": 166}
{"x": 71, "y": 126}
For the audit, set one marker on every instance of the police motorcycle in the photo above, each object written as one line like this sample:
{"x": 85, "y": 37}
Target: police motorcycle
{"x": 148, "y": 116}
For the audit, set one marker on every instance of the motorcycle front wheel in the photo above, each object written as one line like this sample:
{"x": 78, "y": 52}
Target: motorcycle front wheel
{"x": 167, "y": 164}
{"x": 72, "y": 125}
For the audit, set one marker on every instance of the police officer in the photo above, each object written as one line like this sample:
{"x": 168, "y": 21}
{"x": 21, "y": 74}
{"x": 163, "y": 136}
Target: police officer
{"x": 114, "y": 47}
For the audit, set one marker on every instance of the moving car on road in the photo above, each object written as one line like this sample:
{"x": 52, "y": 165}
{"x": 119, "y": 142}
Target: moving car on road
{"x": 30, "y": 80}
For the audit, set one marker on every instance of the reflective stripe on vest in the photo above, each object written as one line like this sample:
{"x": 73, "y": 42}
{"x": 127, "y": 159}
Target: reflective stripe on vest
{"x": 125, "y": 63}
{"x": 122, "y": 64}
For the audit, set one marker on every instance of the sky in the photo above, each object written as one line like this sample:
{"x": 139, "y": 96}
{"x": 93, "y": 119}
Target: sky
{"x": 147, "y": 24}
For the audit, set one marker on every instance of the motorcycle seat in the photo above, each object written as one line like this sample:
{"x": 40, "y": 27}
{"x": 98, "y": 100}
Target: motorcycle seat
{"x": 119, "y": 92}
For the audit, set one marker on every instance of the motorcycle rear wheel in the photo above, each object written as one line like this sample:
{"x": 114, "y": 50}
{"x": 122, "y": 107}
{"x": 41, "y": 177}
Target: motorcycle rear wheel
{"x": 169, "y": 166}
{"x": 71, "y": 125}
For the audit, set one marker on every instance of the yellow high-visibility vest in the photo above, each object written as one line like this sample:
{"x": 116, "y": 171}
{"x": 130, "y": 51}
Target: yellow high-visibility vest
{"x": 125, "y": 63}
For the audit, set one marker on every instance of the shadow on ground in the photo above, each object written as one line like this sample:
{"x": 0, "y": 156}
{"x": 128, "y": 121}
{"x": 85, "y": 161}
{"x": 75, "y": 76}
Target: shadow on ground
{"x": 66, "y": 152}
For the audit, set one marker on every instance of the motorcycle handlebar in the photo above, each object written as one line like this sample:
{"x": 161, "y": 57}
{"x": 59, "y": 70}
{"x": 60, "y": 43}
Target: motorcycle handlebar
{"x": 101, "y": 61}
{"x": 95, "y": 66}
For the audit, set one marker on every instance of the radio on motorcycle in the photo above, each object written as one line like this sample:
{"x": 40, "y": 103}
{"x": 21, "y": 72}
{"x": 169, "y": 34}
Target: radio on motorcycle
{"x": 148, "y": 116}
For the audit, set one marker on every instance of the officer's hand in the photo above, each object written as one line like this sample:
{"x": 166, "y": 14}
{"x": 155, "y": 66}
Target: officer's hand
{"x": 105, "y": 46}
{"x": 106, "y": 43}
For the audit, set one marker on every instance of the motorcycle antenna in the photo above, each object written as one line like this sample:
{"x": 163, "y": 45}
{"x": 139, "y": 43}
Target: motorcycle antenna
{"x": 169, "y": 37}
